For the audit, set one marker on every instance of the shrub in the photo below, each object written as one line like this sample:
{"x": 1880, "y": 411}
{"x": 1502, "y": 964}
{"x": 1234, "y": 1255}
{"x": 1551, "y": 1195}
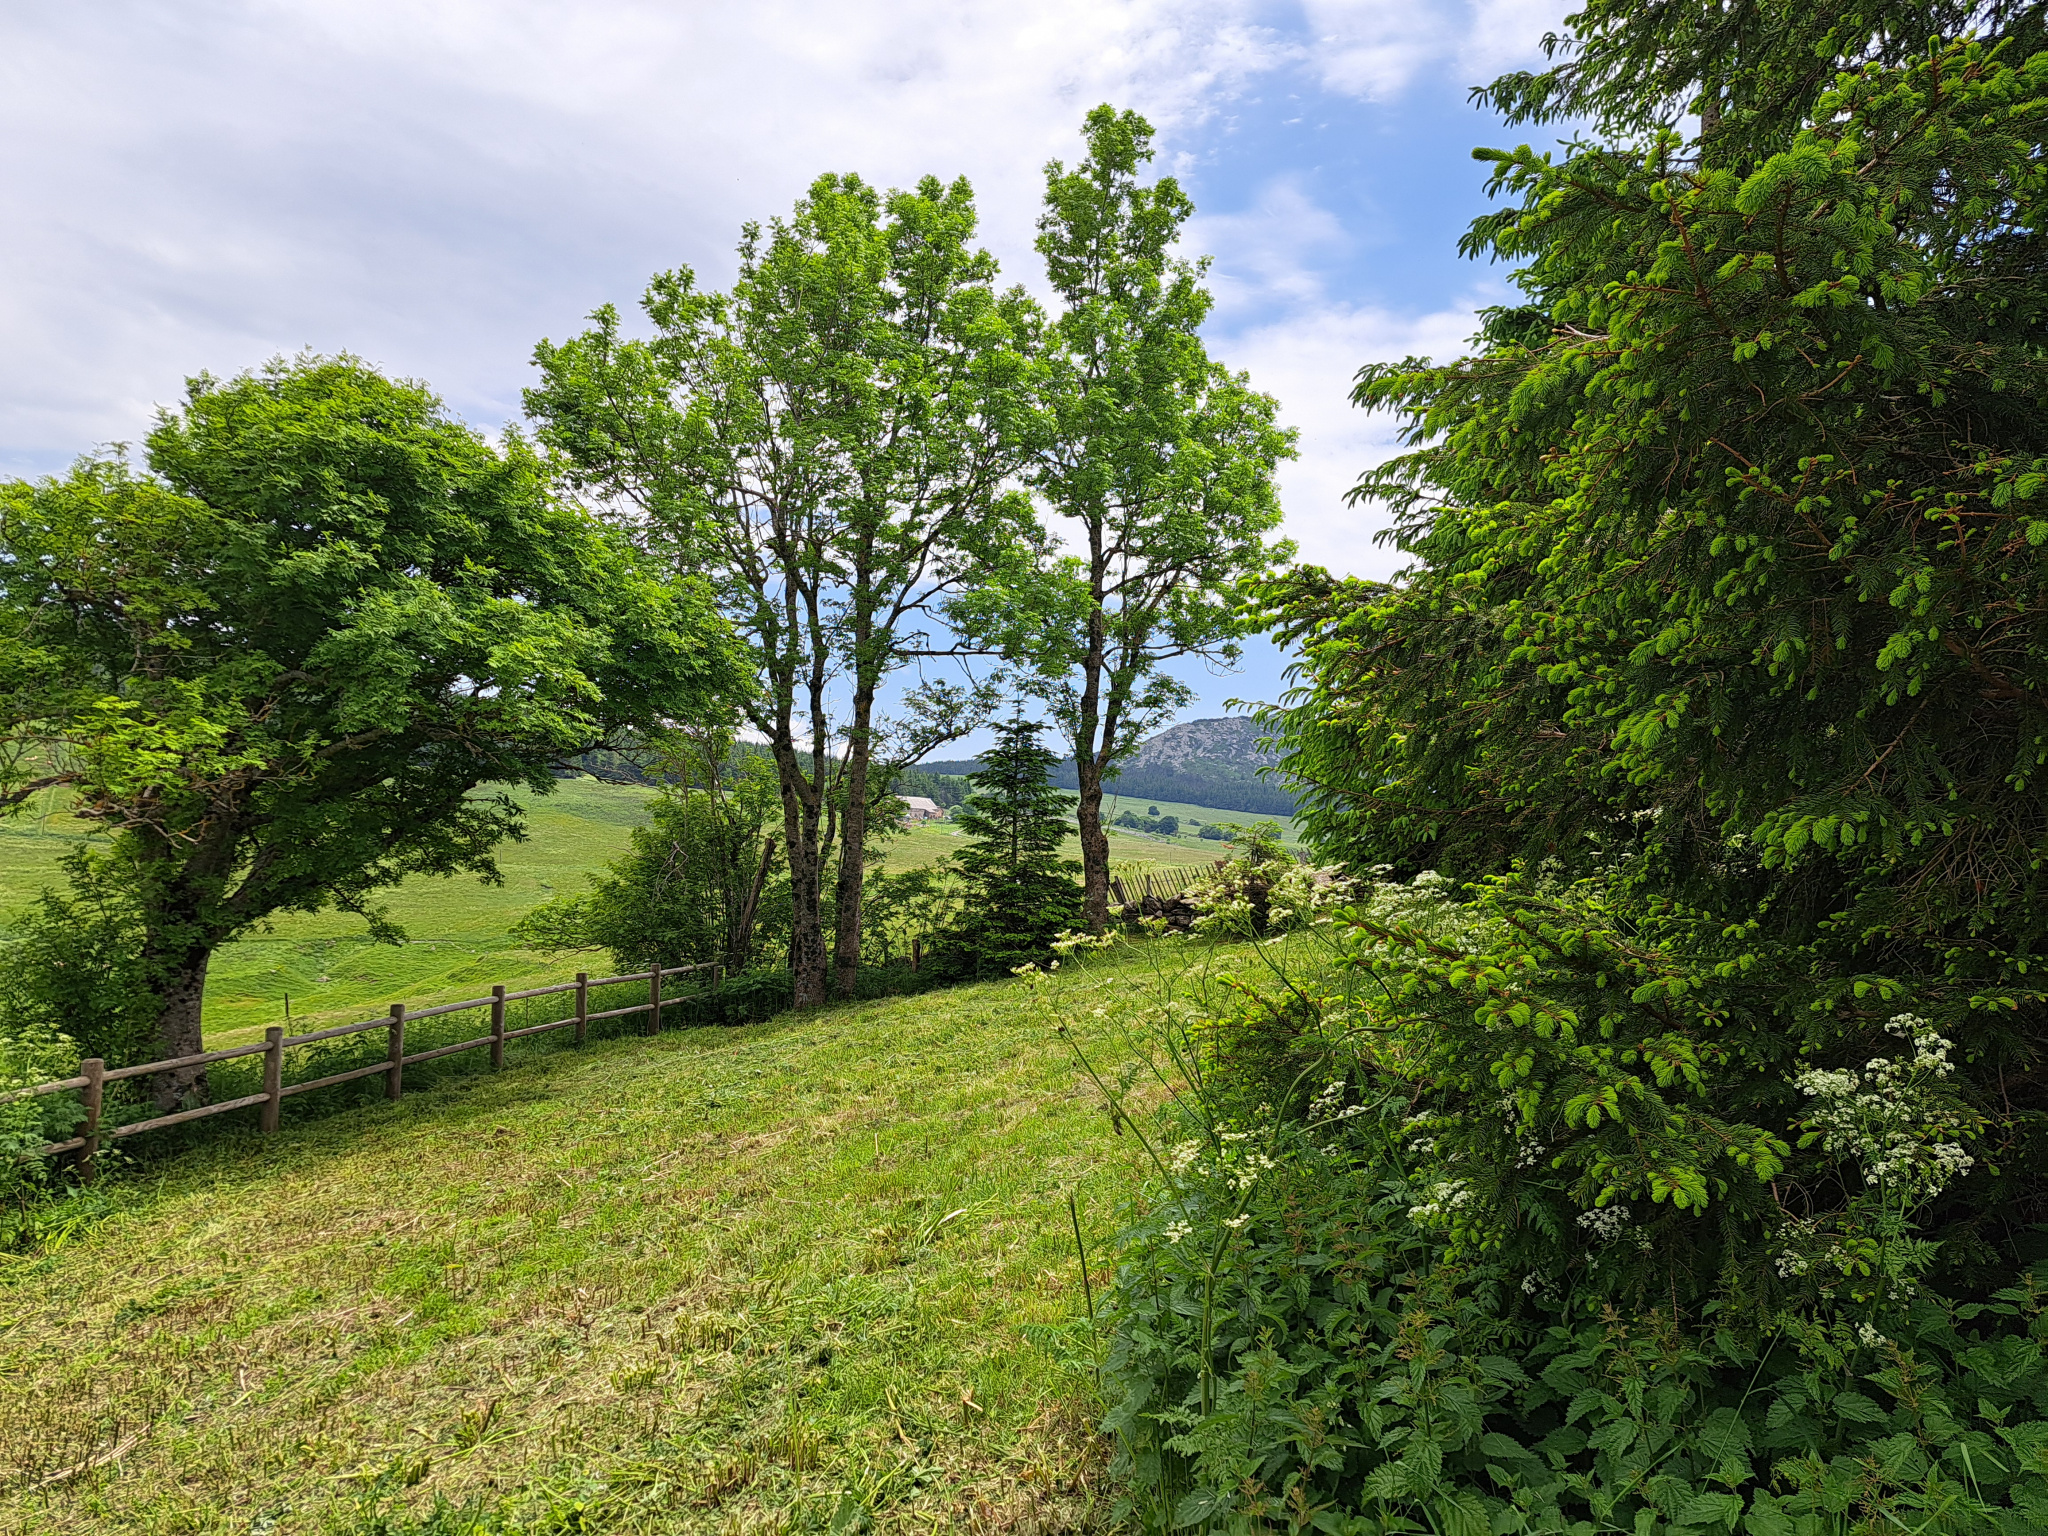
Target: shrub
{"x": 693, "y": 886}
{"x": 30, "y": 1054}
{"x": 74, "y": 967}
{"x": 1263, "y": 889}
{"x": 1445, "y": 1234}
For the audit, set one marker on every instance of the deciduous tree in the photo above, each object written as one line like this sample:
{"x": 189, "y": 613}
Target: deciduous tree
{"x": 833, "y": 443}
{"x": 1159, "y": 460}
{"x": 277, "y": 666}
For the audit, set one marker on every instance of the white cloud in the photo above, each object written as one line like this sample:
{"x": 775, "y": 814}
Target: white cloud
{"x": 1374, "y": 48}
{"x": 1271, "y": 252}
{"x": 1308, "y": 361}
{"x": 436, "y": 186}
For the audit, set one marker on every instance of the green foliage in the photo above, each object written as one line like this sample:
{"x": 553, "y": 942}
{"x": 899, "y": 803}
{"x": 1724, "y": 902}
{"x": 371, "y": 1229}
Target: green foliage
{"x": 907, "y": 908}
{"x": 1161, "y": 458}
{"x": 278, "y": 664}
{"x": 1018, "y": 894}
{"x": 694, "y": 886}
{"x": 833, "y": 443}
{"x": 74, "y": 965}
{"x": 1263, "y": 889}
{"x": 1754, "y": 73}
{"x": 1152, "y": 821}
{"x": 30, "y": 1053}
{"x": 1358, "y": 1382}
{"x": 1671, "y": 1167}
{"x": 1729, "y": 594}
{"x": 1352, "y": 1300}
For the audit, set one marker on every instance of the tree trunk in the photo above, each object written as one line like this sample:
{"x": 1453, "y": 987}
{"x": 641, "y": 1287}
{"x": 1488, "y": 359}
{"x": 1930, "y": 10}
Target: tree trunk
{"x": 182, "y": 986}
{"x": 742, "y": 947}
{"x": 1088, "y": 761}
{"x": 806, "y": 930}
{"x": 853, "y": 850}
{"x": 1094, "y": 844}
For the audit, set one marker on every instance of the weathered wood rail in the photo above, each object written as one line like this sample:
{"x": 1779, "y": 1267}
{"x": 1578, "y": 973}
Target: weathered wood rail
{"x": 1160, "y": 884}
{"x": 94, "y": 1074}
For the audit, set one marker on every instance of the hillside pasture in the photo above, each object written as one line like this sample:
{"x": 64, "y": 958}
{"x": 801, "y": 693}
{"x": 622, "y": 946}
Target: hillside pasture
{"x": 748, "y": 1279}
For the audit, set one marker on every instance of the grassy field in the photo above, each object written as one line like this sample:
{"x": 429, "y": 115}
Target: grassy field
{"x": 815, "y": 1274}
{"x": 458, "y": 941}
{"x": 1190, "y": 815}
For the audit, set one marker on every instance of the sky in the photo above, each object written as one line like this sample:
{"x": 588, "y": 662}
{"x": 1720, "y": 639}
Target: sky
{"x": 435, "y": 185}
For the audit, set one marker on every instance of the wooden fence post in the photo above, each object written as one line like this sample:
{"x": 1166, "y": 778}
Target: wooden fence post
{"x": 94, "y": 1071}
{"x": 582, "y": 1005}
{"x": 273, "y": 1076}
{"x": 654, "y": 1000}
{"x": 498, "y": 1026}
{"x": 394, "y": 1075}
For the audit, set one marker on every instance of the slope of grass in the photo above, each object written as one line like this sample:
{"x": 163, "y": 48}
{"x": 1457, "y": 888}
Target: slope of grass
{"x": 927, "y": 844}
{"x": 759, "y": 1279}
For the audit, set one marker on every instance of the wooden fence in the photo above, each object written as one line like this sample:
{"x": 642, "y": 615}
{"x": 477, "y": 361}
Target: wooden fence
{"x": 94, "y": 1074}
{"x": 1161, "y": 883}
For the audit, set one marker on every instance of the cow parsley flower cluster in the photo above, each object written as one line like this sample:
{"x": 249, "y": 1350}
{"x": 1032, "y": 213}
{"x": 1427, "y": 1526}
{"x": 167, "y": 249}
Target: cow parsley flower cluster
{"x": 1264, "y": 890}
{"x": 1606, "y": 1222}
{"x": 1441, "y": 1202}
{"x": 1328, "y": 1106}
{"x": 1890, "y": 1117}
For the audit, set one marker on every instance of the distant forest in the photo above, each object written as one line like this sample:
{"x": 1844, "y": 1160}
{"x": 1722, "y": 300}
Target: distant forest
{"x": 626, "y": 768}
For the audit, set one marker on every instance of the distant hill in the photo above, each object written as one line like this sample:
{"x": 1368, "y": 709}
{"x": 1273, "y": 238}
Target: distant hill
{"x": 1198, "y": 762}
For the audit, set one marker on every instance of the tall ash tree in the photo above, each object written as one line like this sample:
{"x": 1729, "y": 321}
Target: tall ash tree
{"x": 277, "y": 667}
{"x": 833, "y": 443}
{"x": 1158, "y": 459}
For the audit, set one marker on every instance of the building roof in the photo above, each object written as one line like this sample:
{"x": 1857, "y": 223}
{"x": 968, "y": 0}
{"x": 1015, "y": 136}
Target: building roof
{"x": 920, "y": 803}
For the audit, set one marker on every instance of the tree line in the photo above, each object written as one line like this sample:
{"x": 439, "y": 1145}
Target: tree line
{"x": 308, "y": 644}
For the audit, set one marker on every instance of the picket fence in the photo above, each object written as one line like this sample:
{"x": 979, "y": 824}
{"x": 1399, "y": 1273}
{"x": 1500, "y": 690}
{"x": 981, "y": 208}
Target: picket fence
{"x": 94, "y": 1074}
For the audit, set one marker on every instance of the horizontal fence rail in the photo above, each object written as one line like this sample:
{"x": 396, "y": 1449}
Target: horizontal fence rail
{"x": 94, "y": 1074}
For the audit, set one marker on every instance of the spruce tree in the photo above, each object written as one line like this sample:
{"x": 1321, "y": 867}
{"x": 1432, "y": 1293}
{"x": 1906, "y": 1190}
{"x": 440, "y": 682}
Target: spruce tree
{"x": 1020, "y": 893}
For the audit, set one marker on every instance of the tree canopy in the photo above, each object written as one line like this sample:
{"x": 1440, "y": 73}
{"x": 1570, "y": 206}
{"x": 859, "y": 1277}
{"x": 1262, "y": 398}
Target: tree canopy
{"x": 1159, "y": 459}
{"x": 1728, "y": 589}
{"x": 831, "y": 443}
{"x": 1019, "y": 893}
{"x": 276, "y": 665}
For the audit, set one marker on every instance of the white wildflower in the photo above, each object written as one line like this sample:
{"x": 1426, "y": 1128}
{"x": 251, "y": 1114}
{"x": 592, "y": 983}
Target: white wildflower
{"x": 1605, "y": 1222}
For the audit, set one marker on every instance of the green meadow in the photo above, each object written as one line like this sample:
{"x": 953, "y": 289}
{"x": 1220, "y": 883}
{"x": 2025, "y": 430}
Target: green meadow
{"x": 458, "y": 939}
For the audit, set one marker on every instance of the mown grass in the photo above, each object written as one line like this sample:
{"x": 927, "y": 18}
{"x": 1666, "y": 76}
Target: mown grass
{"x": 757, "y": 1279}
